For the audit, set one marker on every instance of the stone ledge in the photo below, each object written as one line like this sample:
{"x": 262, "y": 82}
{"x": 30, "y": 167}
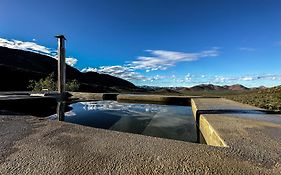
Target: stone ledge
{"x": 135, "y": 98}
{"x": 160, "y": 99}
{"x": 94, "y": 96}
{"x": 226, "y": 123}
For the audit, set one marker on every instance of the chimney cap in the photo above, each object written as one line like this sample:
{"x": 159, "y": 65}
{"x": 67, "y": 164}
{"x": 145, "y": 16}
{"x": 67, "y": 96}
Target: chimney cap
{"x": 60, "y": 36}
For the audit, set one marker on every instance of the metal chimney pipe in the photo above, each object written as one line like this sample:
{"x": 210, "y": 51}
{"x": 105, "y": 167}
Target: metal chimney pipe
{"x": 61, "y": 64}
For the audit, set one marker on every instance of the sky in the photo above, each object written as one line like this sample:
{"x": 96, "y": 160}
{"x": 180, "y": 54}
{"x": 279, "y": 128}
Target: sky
{"x": 167, "y": 43}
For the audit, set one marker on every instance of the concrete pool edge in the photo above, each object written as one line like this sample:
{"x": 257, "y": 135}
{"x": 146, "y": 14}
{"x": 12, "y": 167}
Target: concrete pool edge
{"x": 209, "y": 133}
{"x": 39, "y": 146}
{"x": 205, "y": 110}
{"x": 94, "y": 96}
{"x": 227, "y": 123}
{"x": 135, "y": 98}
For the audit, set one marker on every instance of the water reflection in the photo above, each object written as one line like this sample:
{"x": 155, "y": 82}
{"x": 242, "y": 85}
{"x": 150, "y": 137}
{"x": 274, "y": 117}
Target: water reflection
{"x": 115, "y": 106}
{"x": 173, "y": 122}
{"x": 60, "y": 111}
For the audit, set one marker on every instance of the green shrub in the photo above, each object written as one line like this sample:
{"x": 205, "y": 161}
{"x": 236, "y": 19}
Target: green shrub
{"x": 50, "y": 84}
{"x": 44, "y": 83}
{"x": 72, "y": 85}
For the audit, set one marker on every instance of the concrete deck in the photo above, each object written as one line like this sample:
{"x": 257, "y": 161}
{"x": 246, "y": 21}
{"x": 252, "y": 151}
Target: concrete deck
{"x": 94, "y": 96}
{"x": 249, "y": 143}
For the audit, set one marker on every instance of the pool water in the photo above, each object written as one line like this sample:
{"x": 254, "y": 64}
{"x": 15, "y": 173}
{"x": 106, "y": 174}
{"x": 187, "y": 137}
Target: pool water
{"x": 165, "y": 121}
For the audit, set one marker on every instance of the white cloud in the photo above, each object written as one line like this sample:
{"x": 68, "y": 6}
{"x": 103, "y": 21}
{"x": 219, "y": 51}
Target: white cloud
{"x": 162, "y": 59}
{"x": 223, "y": 79}
{"x": 27, "y": 46}
{"x": 34, "y": 47}
{"x": 220, "y": 79}
{"x": 71, "y": 61}
{"x": 186, "y": 80}
{"x": 133, "y": 76}
{"x": 249, "y": 49}
{"x": 89, "y": 69}
{"x": 250, "y": 80}
{"x": 123, "y": 72}
{"x": 247, "y": 78}
{"x": 188, "y": 77}
{"x": 117, "y": 71}
{"x": 157, "y": 77}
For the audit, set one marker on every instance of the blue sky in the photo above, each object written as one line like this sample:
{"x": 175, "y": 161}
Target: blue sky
{"x": 155, "y": 42}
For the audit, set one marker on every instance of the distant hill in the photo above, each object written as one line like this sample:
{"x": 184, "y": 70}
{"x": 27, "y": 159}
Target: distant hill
{"x": 199, "y": 88}
{"x": 17, "y": 67}
{"x": 206, "y": 87}
{"x": 165, "y": 91}
{"x": 211, "y": 87}
{"x": 237, "y": 87}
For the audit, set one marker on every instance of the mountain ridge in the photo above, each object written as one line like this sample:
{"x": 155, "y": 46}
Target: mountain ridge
{"x": 206, "y": 87}
{"x": 18, "y": 67}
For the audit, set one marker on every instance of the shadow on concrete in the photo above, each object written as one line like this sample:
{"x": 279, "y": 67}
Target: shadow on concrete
{"x": 40, "y": 107}
{"x": 236, "y": 111}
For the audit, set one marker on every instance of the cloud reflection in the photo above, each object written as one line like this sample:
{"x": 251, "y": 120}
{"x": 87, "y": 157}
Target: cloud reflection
{"x": 115, "y": 106}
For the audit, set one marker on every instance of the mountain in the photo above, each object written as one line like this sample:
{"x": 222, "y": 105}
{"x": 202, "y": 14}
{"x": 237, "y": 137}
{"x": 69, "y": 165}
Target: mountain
{"x": 211, "y": 87}
{"x": 199, "y": 88}
{"x": 206, "y": 87}
{"x": 259, "y": 88}
{"x": 237, "y": 87}
{"x": 17, "y": 67}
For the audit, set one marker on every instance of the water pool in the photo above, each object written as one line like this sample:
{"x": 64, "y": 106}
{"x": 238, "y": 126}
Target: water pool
{"x": 165, "y": 121}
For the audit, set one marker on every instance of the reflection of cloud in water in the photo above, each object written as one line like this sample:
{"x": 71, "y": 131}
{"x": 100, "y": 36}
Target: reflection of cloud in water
{"x": 175, "y": 122}
{"x": 53, "y": 117}
{"x": 115, "y": 106}
{"x": 67, "y": 114}
{"x": 70, "y": 113}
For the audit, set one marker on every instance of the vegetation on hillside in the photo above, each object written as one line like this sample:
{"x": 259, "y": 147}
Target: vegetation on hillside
{"x": 266, "y": 98}
{"x": 269, "y": 98}
{"x": 50, "y": 84}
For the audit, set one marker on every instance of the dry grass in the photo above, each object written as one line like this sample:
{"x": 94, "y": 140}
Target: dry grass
{"x": 267, "y": 98}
